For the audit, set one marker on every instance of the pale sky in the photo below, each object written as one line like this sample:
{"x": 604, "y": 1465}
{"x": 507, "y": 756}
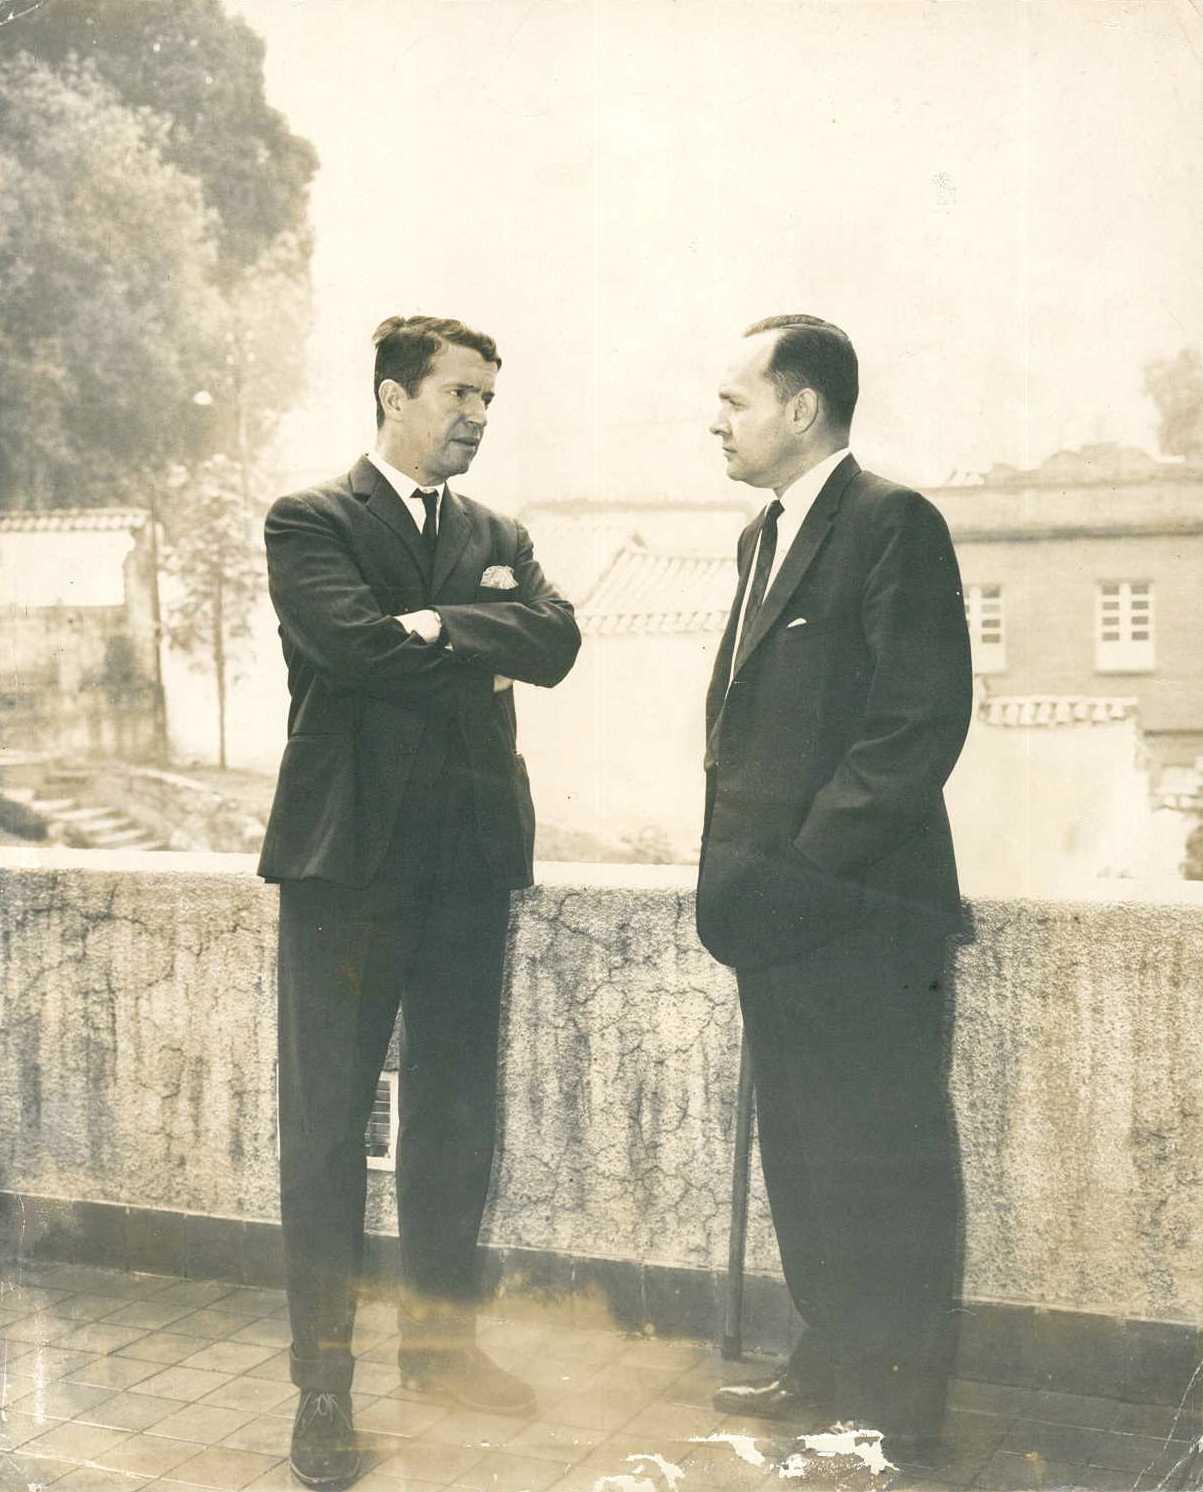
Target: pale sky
{"x": 1001, "y": 201}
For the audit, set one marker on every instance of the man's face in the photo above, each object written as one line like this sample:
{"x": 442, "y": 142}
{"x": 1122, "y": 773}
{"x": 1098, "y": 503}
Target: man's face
{"x": 756, "y": 429}
{"x": 442, "y": 425}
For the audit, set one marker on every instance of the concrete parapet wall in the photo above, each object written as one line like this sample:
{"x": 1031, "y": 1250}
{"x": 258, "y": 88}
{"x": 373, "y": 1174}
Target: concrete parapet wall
{"x": 136, "y": 1066}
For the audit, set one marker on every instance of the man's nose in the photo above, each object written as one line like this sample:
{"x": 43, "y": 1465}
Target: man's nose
{"x": 718, "y": 426}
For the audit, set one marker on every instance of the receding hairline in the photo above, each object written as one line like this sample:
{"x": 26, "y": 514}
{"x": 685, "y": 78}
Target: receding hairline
{"x": 808, "y": 352}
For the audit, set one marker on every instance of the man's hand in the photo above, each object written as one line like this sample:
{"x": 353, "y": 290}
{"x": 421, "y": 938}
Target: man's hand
{"x": 425, "y": 623}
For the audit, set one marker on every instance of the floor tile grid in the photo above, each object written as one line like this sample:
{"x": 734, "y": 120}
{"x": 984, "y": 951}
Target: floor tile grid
{"x": 88, "y": 1422}
{"x": 625, "y": 1394}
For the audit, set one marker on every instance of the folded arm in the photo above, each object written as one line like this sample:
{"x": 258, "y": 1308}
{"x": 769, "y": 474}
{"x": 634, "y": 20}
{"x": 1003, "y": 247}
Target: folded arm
{"x": 328, "y": 610}
{"x": 532, "y": 637}
{"x": 919, "y": 703}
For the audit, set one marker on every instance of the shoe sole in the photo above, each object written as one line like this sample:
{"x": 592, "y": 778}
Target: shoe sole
{"x": 799, "y": 1414}
{"x": 325, "y": 1483}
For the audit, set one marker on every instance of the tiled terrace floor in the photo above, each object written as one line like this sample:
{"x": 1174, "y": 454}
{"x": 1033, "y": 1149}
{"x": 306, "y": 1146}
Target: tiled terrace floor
{"x": 113, "y": 1380}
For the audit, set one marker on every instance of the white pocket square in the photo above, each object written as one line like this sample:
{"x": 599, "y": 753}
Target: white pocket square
{"x": 499, "y": 578}
{"x": 798, "y": 621}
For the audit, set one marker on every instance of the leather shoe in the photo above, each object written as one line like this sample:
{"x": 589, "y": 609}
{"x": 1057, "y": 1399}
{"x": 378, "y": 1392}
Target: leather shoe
{"x": 466, "y": 1376}
{"x": 323, "y": 1450}
{"x": 766, "y": 1398}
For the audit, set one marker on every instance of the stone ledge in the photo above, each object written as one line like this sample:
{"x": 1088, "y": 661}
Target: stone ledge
{"x": 138, "y": 1011}
{"x": 1093, "y": 892}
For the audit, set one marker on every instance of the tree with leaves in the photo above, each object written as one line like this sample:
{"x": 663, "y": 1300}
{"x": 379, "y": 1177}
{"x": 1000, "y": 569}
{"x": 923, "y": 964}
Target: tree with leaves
{"x": 153, "y": 247}
{"x": 1176, "y": 387}
{"x": 201, "y": 71}
{"x": 110, "y": 318}
{"x": 216, "y": 568}
{"x": 261, "y": 372}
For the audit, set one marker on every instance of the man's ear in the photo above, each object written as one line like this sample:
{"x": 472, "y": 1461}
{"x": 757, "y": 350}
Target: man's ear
{"x": 805, "y": 410}
{"x": 392, "y": 396}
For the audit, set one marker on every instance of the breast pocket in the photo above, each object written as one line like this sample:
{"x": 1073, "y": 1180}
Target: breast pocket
{"x": 488, "y": 593}
{"x": 806, "y": 626}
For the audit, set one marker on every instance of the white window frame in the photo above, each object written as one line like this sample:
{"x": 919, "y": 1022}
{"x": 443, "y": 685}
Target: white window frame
{"x": 386, "y": 1090}
{"x": 986, "y": 618}
{"x": 1124, "y": 619}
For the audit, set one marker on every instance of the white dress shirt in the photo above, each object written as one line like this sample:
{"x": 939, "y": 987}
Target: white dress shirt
{"x": 796, "y": 502}
{"x": 405, "y": 487}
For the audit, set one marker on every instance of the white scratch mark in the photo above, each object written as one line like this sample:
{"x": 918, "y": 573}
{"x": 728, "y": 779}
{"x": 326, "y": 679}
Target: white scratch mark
{"x": 669, "y": 1470}
{"x": 861, "y": 1445}
{"x": 744, "y": 1446}
{"x": 671, "y": 1473}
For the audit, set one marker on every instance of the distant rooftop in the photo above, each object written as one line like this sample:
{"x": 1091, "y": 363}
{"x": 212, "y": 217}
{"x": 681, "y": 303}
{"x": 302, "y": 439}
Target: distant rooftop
{"x": 72, "y": 520}
{"x": 649, "y": 502}
{"x": 576, "y": 549}
{"x": 645, "y": 592}
{"x": 1106, "y": 462}
{"x": 587, "y": 548}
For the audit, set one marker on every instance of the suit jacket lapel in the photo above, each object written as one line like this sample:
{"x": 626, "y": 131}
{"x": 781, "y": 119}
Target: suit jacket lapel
{"x": 807, "y": 543}
{"x": 716, "y": 696}
{"x": 384, "y": 504}
{"x": 455, "y": 529}
{"x": 722, "y": 663}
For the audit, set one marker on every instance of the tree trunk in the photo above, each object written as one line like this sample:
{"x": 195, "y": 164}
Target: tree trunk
{"x": 219, "y": 658}
{"x": 156, "y": 616}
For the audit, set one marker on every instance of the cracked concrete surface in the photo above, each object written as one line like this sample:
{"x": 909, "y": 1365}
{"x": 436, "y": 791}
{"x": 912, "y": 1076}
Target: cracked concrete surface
{"x": 138, "y": 1010}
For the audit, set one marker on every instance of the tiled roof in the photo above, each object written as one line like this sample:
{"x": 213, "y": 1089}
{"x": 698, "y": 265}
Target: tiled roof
{"x": 64, "y": 520}
{"x": 575, "y": 551}
{"x": 1105, "y": 462}
{"x": 646, "y": 592}
{"x": 1055, "y": 709}
{"x": 577, "y": 543}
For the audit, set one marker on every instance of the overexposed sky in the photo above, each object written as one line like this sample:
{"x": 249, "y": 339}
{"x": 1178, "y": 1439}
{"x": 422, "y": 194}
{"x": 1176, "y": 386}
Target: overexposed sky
{"x": 1000, "y": 200}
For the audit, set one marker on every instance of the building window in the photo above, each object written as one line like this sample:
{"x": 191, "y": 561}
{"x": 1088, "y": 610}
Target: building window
{"x": 380, "y": 1137}
{"x": 1123, "y": 633}
{"x": 984, "y": 613}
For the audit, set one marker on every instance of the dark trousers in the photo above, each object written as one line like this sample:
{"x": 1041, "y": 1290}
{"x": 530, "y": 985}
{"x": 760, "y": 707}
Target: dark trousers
{"x": 429, "y": 937}
{"x": 849, "y": 1050}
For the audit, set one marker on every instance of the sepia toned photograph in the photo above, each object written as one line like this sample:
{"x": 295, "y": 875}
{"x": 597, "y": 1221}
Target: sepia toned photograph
{"x": 601, "y": 745}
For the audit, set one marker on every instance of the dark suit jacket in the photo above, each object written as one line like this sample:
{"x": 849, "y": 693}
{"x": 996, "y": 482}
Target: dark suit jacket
{"x": 343, "y": 559}
{"x": 827, "y": 755}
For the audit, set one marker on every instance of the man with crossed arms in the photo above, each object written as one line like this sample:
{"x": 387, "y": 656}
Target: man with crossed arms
{"x": 401, "y": 823}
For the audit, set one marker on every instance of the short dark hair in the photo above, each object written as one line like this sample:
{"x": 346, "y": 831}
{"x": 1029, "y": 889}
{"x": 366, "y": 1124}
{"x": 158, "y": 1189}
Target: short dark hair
{"x": 813, "y": 354}
{"x": 406, "y": 347}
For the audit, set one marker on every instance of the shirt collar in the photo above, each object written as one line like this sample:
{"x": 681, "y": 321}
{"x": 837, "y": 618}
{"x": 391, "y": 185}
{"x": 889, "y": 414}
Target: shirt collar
{"x": 401, "y": 484}
{"x": 800, "y": 494}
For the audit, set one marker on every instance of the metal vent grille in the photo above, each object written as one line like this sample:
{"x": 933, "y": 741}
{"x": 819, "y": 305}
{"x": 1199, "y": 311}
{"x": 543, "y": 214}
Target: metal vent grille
{"x": 380, "y": 1137}
{"x": 380, "y": 1140}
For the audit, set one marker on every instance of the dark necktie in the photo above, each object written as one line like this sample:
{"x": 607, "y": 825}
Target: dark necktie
{"x": 430, "y": 528}
{"x": 764, "y": 563}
